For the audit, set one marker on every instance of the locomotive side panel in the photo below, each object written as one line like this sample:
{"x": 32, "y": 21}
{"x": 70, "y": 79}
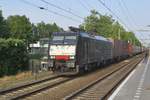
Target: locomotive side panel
{"x": 81, "y": 52}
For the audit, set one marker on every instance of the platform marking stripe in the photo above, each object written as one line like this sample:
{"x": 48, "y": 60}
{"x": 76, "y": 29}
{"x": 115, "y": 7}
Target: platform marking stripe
{"x": 122, "y": 84}
{"x": 137, "y": 96}
{"x": 139, "y": 89}
{"x": 137, "y": 93}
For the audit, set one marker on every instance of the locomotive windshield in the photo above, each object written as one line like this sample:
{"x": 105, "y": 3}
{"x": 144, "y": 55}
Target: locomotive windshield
{"x": 64, "y": 39}
{"x": 58, "y": 38}
{"x": 70, "y": 40}
{"x": 70, "y": 37}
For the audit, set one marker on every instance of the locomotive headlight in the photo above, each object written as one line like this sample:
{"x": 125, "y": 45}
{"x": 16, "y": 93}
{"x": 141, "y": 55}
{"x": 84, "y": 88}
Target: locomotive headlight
{"x": 52, "y": 57}
{"x": 71, "y": 57}
{"x": 50, "y": 63}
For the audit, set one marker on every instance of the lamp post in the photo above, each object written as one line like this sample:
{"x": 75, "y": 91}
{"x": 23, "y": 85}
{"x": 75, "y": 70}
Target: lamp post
{"x": 119, "y": 33}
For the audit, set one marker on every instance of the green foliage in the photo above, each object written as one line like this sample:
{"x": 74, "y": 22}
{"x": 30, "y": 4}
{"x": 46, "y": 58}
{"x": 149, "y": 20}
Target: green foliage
{"x": 20, "y": 26}
{"x": 45, "y": 30}
{"x": 13, "y": 57}
{"x": 35, "y": 56}
{"x": 129, "y": 36}
{"x": 106, "y": 26}
{"x": 16, "y": 33}
{"x": 4, "y": 30}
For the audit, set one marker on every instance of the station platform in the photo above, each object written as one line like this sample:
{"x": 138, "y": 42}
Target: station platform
{"x": 137, "y": 85}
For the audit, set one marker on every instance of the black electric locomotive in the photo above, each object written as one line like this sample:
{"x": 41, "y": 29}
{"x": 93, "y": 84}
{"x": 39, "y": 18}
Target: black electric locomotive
{"x": 75, "y": 52}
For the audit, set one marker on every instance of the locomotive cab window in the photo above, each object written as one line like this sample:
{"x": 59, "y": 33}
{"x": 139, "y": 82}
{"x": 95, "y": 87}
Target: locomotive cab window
{"x": 70, "y": 37}
{"x": 58, "y": 38}
{"x": 64, "y": 39}
{"x": 70, "y": 40}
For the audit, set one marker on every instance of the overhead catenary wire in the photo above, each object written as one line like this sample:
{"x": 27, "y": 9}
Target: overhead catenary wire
{"x": 68, "y": 11}
{"x": 85, "y": 7}
{"x": 128, "y": 12}
{"x": 60, "y": 14}
{"x": 69, "y": 7}
{"x": 121, "y": 2}
{"x": 29, "y": 3}
{"x": 125, "y": 13}
{"x": 46, "y": 9}
{"x": 129, "y": 16}
{"x": 86, "y": 1}
{"x": 101, "y": 2}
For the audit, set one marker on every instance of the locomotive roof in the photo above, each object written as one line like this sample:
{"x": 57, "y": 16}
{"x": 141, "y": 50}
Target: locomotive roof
{"x": 83, "y": 34}
{"x": 65, "y": 33}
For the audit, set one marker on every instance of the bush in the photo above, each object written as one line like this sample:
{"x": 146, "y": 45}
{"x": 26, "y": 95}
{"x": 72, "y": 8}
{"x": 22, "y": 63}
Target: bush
{"x": 13, "y": 56}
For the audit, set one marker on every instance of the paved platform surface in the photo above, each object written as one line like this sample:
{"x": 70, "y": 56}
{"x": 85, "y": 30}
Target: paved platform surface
{"x": 137, "y": 85}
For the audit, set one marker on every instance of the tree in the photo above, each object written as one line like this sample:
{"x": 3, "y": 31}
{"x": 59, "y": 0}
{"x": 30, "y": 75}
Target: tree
{"x": 35, "y": 34}
{"x": 117, "y": 31}
{"x": 56, "y": 28}
{"x": 106, "y": 26}
{"x": 45, "y": 30}
{"x": 101, "y": 24}
{"x": 129, "y": 36}
{"x": 91, "y": 22}
{"x": 14, "y": 56}
{"x": 20, "y": 27}
{"x": 42, "y": 30}
{"x": 4, "y": 30}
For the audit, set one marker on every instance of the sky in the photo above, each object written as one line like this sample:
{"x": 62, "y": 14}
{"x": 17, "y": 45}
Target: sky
{"x": 133, "y": 13}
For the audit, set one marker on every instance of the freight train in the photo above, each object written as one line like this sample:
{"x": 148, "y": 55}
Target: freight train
{"x": 75, "y": 52}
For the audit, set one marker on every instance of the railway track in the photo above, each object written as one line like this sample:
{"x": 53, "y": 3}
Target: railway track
{"x": 80, "y": 84}
{"x": 31, "y": 88}
{"x": 58, "y": 87}
{"x": 102, "y": 88}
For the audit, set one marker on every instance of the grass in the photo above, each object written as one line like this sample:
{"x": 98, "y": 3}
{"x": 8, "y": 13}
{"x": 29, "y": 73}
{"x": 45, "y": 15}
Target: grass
{"x": 10, "y": 81}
